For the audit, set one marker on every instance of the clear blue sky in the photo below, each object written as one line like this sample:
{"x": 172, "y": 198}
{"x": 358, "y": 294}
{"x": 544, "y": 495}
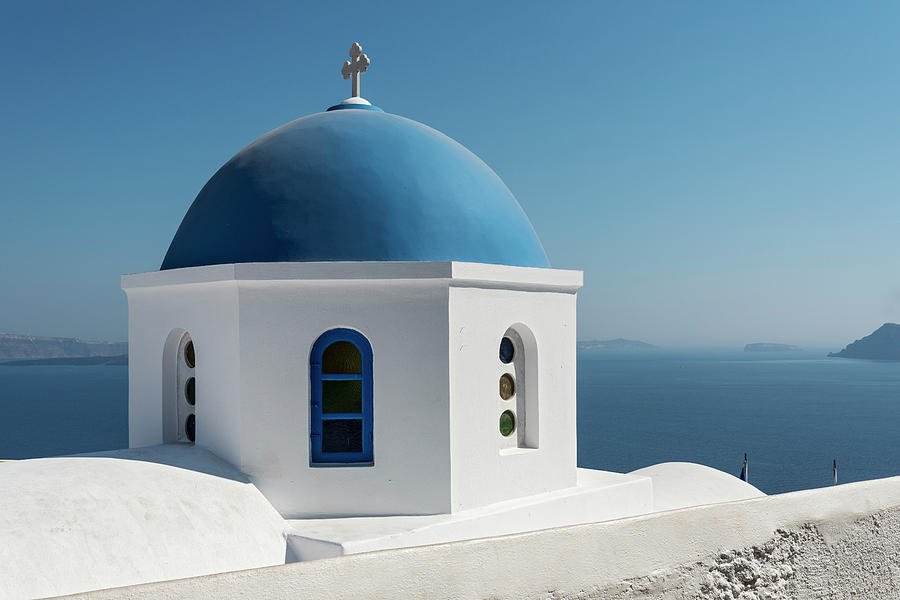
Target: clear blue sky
{"x": 723, "y": 173}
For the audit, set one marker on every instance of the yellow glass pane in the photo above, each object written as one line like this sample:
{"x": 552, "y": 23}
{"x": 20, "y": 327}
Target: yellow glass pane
{"x": 507, "y": 386}
{"x": 341, "y": 358}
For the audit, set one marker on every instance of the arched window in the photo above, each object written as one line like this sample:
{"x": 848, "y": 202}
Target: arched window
{"x": 340, "y": 373}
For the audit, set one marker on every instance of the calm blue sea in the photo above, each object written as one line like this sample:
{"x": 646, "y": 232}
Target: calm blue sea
{"x": 793, "y": 413}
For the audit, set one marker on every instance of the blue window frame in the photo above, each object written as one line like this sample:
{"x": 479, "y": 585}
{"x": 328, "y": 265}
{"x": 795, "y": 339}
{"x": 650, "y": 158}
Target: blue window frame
{"x": 340, "y": 373}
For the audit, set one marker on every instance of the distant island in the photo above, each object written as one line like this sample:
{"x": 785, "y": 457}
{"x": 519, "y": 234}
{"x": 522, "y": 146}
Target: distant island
{"x": 616, "y": 344}
{"x": 882, "y": 344}
{"x": 14, "y": 346}
{"x": 121, "y": 359}
{"x": 769, "y": 347}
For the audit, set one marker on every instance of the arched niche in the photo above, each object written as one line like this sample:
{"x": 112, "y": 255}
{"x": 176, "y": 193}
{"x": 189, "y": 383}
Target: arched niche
{"x": 518, "y": 388}
{"x": 179, "y": 388}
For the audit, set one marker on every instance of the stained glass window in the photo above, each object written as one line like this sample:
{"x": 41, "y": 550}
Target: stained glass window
{"x": 189, "y": 354}
{"x": 342, "y": 435}
{"x": 507, "y": 386}
{"x": 341, "y": 398}
{"x": 341, "y": 357}
{"x": 190, "y": 391}
{"x": 507, "y": 350}
{"x": 507, "y": 423}
{"x": 190, "y": 427}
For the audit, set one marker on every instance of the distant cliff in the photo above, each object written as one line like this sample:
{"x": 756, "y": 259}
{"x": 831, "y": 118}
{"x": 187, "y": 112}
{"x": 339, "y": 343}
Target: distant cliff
{"x": 768, "y": 347}
{"x": 616, "y": 344}
{"x": 882, "y": 344}
{"x": 120, "y": 360}
{"x": 28, "y": 346}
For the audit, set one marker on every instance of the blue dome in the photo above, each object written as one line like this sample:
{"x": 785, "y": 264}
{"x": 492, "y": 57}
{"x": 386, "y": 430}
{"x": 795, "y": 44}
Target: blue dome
{"x": 355, "y": 185}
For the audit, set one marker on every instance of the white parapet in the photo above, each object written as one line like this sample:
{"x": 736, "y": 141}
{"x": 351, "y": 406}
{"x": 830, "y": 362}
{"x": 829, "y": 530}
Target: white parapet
{"x": 835, "y": 542}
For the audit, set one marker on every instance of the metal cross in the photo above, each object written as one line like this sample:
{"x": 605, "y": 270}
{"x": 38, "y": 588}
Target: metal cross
{"x": 359, "y": 64}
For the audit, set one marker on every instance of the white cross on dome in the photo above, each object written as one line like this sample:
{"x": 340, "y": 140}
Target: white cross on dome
{"x": 358, "y": 65}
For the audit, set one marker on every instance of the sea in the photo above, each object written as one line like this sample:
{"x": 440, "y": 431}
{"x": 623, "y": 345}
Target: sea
{"x": 792, "y": 413}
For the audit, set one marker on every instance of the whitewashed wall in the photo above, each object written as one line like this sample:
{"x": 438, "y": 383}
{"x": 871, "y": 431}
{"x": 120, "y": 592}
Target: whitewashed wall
{"x": 208, "y": 311}
{"x": 405, "y": 321}
{"x": 484, "y": 469}
{"x": 253, "y": 326}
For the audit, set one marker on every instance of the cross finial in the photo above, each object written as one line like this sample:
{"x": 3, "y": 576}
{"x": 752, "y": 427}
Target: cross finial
{"x": 358, "y": 64}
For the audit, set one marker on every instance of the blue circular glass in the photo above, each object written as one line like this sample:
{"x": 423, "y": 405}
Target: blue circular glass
{"x": 507, "y": 351}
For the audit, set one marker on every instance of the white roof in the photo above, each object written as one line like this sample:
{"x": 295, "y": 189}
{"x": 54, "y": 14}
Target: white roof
{"x": 118, "y": 518}
{"x": 682, "y": 484}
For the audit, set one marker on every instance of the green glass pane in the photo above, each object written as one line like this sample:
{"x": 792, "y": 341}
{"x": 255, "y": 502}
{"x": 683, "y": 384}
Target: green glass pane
{"x": 507, "y": 423}
{"x": 342, "y": 396}
{"x": 341, "y": 357}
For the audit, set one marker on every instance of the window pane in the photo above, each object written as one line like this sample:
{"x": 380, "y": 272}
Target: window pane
{"x": 190, "y": 391}
{"x": 342, "y": 396}
{"x": 342, "y": 435}
{"x": 507, "y": 350}
{"x": 190, "y": 427}
{"x": 341, "y": 357}
{"x": 189, "y": 354}
{"x": 507, "y": 386}
{"x": 507, "y": 423}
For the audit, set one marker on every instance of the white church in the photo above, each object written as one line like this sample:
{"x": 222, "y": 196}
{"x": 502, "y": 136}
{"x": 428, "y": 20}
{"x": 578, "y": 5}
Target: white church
{"x": 355, "y": 343}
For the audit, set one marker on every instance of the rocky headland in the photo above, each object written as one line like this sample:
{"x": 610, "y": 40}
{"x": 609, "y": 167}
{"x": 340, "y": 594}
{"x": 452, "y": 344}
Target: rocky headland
{"x": 882, "y": 344}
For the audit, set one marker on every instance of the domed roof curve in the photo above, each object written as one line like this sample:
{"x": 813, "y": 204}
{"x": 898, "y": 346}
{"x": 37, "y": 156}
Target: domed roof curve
{"x": 355, "y": 185}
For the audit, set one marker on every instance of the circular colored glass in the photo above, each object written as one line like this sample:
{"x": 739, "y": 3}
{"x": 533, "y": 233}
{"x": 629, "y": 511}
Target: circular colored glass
{"x": 190, "y": 391}
{"x": 190, "y": 427}
{"x": 507, "y": 423}
{"x": 507, "y": 386}
{"x": 507, "y": 351}
{"x": 189, "y": 354}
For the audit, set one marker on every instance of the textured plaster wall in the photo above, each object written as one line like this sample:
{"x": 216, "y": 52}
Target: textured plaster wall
{"x": 840, "y": 559}
{"x": 840, "y": 542}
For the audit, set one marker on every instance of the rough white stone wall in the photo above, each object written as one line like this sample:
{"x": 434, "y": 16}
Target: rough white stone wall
{"x": 837, "y": 559}
{"x": 839, "y": 542}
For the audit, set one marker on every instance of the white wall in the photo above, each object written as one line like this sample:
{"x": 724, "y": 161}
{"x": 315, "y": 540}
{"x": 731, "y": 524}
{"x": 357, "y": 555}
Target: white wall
{"x": 253, "y": 326}
{"x": 405, "y": 321}
{"x": 484, "y": 468}
{"x": 209, "y": 313}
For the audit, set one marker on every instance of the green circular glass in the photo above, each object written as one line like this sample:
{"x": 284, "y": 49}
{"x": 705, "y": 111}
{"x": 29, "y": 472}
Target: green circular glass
{"x": 190, "y": 390}
{"x": 507, "y": 423}
{"x": 507, "y": 386}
